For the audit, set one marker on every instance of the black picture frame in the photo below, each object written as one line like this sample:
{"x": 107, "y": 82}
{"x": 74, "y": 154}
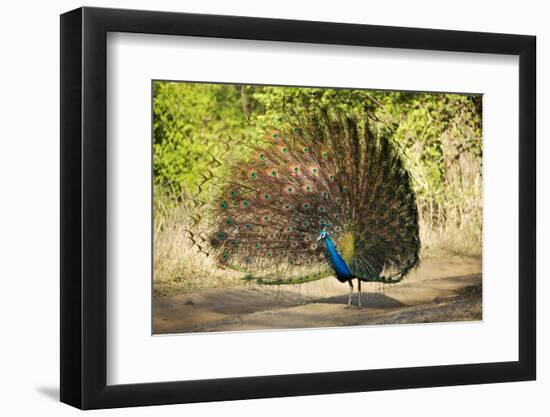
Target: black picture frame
{"x": 84, "y": 207}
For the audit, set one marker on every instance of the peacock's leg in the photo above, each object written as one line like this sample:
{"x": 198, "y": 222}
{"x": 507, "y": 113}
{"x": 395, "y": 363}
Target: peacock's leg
{"x": 359, "y": 290}
{"x": 350, "y": 292}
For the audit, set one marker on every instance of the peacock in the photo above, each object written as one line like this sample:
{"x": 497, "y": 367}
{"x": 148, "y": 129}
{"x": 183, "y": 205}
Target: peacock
{"x": 327, "y": 196}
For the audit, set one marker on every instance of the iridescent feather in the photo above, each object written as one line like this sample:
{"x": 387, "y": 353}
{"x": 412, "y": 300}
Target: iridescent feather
{"x": 329, "y": 173}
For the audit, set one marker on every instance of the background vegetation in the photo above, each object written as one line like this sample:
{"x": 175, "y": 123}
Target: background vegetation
{"x": 439, "y": 135}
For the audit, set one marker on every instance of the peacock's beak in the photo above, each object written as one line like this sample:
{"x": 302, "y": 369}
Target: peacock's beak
{"x": 319, "y": 238}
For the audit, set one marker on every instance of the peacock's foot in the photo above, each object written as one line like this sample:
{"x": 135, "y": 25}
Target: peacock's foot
{"x": 352, "y": 307}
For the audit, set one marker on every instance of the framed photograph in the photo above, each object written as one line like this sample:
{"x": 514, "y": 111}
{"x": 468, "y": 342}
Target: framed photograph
{"x": 257, "y": 208}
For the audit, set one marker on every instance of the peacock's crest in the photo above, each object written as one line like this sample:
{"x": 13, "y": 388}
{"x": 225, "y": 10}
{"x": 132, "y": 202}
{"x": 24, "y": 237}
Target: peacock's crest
{"x": 329, "y": 173}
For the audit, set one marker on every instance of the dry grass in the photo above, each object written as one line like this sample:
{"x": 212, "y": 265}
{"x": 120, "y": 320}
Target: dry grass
{"x": 451, "y": 241}
{"x": 178, "y": 265}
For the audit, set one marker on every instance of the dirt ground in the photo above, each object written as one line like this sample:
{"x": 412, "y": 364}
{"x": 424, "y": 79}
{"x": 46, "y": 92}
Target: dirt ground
{"x": 440, "y": 290}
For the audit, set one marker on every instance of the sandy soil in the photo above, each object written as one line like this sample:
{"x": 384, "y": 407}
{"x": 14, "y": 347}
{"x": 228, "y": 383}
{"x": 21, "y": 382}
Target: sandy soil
{"x": 439, "y": 290}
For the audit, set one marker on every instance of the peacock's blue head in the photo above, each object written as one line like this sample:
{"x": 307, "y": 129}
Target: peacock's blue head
{"x": 322, "y": 235}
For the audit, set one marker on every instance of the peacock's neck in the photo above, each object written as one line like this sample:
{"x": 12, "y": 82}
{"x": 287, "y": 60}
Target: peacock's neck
{"x": 333, "y": 253}
{"x": 338, "y": 263}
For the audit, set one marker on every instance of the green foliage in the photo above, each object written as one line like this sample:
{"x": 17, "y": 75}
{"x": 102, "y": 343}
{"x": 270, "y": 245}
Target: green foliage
{"x": 189, "y": 120}
{"x": 441, "y": 138}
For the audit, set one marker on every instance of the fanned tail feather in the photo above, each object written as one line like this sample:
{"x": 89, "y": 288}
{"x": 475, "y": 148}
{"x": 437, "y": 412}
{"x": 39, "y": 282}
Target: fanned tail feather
{"x": 330, "y": 171}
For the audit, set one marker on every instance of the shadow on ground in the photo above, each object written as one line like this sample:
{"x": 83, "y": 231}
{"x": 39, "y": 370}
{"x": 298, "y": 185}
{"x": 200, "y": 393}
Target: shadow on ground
{"x": 376, "y": 300}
